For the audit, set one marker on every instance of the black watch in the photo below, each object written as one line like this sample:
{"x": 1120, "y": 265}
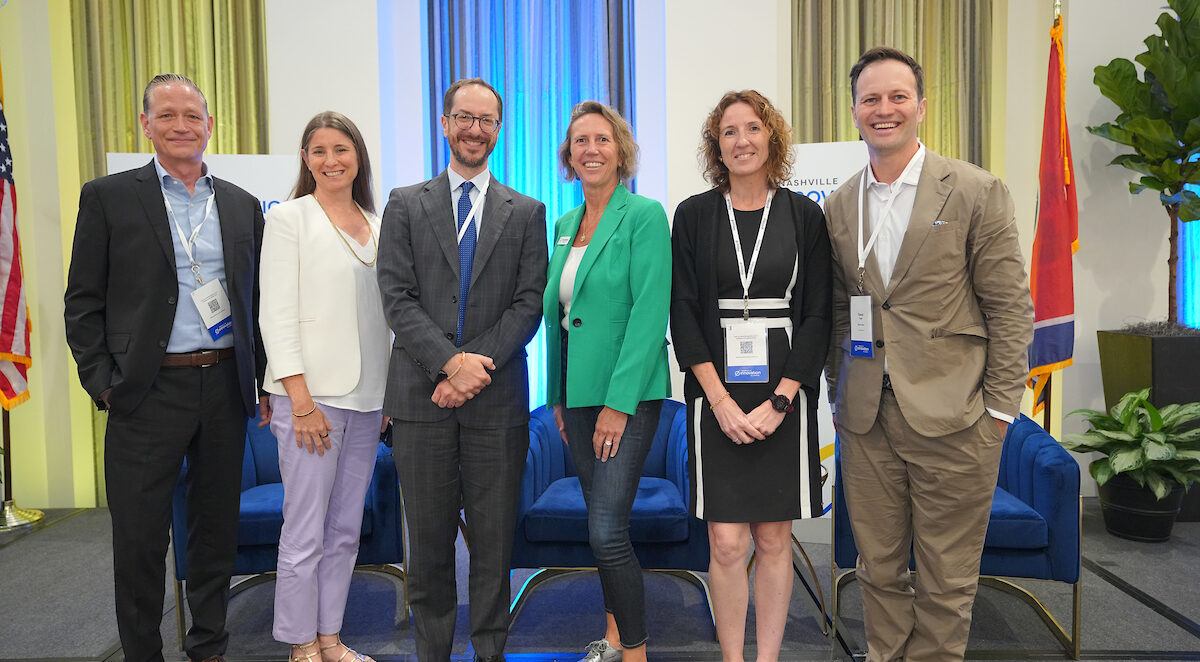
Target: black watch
{"x": 781, "y": 403}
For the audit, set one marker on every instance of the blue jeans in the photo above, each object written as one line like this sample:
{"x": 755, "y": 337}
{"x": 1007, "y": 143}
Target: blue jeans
{"x": 608, "y": 490}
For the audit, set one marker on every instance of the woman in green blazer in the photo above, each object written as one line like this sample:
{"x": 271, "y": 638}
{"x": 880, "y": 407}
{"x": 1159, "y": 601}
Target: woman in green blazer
{"x": 606, "y": 304}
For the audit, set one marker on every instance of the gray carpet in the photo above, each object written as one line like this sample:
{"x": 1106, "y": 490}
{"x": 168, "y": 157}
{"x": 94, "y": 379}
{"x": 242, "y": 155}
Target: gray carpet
{"x": 1139, "y": 599}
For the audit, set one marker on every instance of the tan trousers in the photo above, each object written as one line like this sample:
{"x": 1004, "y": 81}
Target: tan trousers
{"x": 933, "y": 494}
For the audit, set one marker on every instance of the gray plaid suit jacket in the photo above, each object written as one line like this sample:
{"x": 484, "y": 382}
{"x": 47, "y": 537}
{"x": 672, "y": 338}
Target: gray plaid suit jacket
{"x": 419, "y": 284}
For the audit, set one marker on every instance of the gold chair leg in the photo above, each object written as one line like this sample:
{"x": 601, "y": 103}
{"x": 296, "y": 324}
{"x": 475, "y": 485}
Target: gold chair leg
{"x": 179, "y": 618}
{"x": 393, "y": 570}
{"x": 839, "y": 584}
{"x": 796, "y": 568}
{"x": 816, "y": 580}
{"x": 695, "y": 578}
{"x": 1070, "y": 643}
{"x": 543, "y": 575}
{"x": 535, "y": 580}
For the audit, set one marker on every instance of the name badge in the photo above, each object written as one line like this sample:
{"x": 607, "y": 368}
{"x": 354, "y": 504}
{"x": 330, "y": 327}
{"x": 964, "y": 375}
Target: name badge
{"x": 746, "y": 353}
{"x": 563, "y": 241}
{"x": 213, "y": 305}
{"x": 861, "y": 341}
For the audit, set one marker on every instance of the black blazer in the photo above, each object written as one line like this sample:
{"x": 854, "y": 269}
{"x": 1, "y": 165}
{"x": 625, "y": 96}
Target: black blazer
{"x": 122, "y": 287}
{"x": 695, "y": 318}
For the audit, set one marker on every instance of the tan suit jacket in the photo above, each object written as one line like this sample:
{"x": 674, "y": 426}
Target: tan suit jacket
{"x": 954, "y": 323}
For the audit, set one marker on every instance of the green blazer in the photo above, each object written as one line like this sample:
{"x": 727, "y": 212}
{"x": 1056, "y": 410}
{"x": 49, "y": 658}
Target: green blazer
{"x": 617, "y": 355}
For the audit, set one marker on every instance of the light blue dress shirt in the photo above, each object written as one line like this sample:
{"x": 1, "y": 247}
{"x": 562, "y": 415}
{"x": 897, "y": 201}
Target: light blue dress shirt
{"x": 188, "y": 333}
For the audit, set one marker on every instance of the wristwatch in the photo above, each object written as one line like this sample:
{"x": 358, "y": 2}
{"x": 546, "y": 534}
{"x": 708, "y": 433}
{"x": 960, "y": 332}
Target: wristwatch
{"x": 781, "y": 403}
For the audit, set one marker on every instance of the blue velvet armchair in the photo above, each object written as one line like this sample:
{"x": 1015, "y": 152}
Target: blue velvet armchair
{"x": 551, "y": 530}
{"x": 260, "y": 520}
{"x": 1033, "y": 530}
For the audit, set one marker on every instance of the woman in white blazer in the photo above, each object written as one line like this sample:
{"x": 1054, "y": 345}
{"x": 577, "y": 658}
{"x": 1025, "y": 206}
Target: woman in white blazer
{"x": 327, "y": 347}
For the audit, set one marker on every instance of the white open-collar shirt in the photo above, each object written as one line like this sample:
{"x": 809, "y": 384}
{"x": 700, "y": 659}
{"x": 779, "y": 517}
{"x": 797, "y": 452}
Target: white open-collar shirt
{"x": 887, "y": 246}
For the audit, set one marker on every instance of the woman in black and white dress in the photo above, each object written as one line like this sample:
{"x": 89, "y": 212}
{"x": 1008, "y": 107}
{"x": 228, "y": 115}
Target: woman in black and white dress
{"x": 750, "y": 319}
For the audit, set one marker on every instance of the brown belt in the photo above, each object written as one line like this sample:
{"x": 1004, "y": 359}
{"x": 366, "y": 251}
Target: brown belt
{"x": 200, "y": 359}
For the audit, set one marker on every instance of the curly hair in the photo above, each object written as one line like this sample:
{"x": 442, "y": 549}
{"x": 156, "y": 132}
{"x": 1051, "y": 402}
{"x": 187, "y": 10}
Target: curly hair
{"x": 627, "y": 148}
{"x": 779, "y": 152}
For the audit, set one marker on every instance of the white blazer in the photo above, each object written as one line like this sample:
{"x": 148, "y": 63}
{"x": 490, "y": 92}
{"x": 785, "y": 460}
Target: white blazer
{"x": 308, "y": 308}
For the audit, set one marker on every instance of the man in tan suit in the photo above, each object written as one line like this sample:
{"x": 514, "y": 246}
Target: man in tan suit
{"x": 932, "y": 320}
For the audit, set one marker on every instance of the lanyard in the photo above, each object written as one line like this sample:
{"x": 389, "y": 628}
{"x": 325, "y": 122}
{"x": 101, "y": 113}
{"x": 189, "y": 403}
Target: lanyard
{"x": 190, "y": 242}
{"x": 884, "y": 217}
{"x": 746, "y": 274}
{"x": 478, "y": 204}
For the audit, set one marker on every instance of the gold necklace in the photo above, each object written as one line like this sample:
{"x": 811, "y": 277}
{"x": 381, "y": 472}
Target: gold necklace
{"x": 338, "y": 232}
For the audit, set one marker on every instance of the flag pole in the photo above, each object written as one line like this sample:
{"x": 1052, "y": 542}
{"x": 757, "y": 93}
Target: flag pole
{"x": 12, "y": 516}
{"x": 1047, "y": 402}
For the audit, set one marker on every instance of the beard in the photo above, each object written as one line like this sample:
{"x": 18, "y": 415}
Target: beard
{"x": 467, "y": 160}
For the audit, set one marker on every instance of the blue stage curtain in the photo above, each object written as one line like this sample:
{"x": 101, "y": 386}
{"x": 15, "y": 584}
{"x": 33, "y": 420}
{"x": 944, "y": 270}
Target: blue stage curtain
{"x": 543, "y": 56}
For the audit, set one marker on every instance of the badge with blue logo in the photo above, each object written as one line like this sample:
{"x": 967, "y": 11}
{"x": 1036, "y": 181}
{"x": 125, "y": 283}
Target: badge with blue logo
{"x": 213, "y": 305}
{"x": 861, "y": 330}
{"x": 746, "y": 353}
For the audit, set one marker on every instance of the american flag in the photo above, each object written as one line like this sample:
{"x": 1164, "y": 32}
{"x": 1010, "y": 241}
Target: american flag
{"x": 14, "y": 313}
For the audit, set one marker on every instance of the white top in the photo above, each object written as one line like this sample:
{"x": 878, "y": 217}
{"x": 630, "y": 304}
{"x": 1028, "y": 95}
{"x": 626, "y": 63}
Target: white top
{"x": 895, "y": 224}
{"x": 320, "y": 311}
{"x": 373, "y": 356}
{"x": 566, "y": 284}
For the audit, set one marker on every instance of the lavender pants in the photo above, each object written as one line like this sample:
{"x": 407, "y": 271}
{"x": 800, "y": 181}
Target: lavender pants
{"x": 322, "y": 517}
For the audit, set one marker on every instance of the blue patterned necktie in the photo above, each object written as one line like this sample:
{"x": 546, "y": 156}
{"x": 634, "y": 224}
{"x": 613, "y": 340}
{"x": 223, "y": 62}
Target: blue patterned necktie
{"x": 466, "y": 257}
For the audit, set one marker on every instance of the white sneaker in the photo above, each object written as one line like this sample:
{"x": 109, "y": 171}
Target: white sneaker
{"x": 601, "y": 651}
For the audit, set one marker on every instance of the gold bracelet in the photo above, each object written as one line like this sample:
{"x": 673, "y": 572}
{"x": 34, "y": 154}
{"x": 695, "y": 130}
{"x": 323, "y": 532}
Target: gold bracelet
{"x": 305, "y": 413}
{"x": 719, "y": 400}
{"x": 462, "y": 358}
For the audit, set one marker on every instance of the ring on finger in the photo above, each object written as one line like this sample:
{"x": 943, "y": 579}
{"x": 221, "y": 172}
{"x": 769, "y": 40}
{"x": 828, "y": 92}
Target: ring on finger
{"x": 325, "y": 436}
{"x": 608, "y": 442}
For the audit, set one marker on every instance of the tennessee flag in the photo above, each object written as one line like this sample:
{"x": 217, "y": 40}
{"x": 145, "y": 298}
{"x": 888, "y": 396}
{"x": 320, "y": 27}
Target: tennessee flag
{"x": 1051, "y": 278}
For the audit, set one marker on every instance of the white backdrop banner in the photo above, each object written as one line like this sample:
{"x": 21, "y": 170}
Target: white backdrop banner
{"x": 267, "y": 177}
{"x": 818, "y": 169}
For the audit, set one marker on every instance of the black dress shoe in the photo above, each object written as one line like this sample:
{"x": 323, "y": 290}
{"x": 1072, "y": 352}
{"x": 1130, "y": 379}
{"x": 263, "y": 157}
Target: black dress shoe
{"x": 492, "y": 658}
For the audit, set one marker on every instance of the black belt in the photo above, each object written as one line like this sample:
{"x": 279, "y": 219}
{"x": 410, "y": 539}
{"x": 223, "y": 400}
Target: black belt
{"x": 200, "y": 359}
{"x": 887, "y": 381}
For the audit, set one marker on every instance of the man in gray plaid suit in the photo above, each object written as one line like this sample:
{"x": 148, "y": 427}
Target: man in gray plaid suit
{"x": 462, "y": 266}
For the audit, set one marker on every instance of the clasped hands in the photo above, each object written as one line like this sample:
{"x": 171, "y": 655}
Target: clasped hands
{"x": 746, "y": 428}
{"x": 468, "y": 374}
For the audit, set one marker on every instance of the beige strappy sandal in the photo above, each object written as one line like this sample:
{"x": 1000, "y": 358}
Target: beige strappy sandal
{"x": 304, "y": 657}
{"x": 358, "y": 657}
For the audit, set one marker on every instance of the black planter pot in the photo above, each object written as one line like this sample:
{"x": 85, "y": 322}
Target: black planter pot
{"x": 1131, "y": 511}
{"x": 1167, "y": 364}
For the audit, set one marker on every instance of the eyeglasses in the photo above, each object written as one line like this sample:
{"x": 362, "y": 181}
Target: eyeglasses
{"x": 464, "y": 122}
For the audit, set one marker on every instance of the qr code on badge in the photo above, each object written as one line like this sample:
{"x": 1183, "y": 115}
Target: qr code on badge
{"x": 747, "y": 346}
{"x": 213, "y": 305}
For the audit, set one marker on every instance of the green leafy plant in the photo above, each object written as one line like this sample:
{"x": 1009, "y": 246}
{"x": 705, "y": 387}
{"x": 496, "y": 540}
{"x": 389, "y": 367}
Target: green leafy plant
{"x": 1160, "y": 119}
{"x": 1155, "y": 447}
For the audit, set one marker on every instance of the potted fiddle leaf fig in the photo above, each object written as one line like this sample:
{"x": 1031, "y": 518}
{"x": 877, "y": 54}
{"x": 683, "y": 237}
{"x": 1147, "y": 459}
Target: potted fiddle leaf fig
{"x": 1151, "y": 457}
{"x": 1160, "y": 119}
{"x": 1159, "y": 125}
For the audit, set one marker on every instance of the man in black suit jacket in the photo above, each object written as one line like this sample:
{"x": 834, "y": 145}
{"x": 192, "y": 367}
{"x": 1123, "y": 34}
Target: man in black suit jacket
{"x": 161, "y": 314}
{"x": 458, "y": 386}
